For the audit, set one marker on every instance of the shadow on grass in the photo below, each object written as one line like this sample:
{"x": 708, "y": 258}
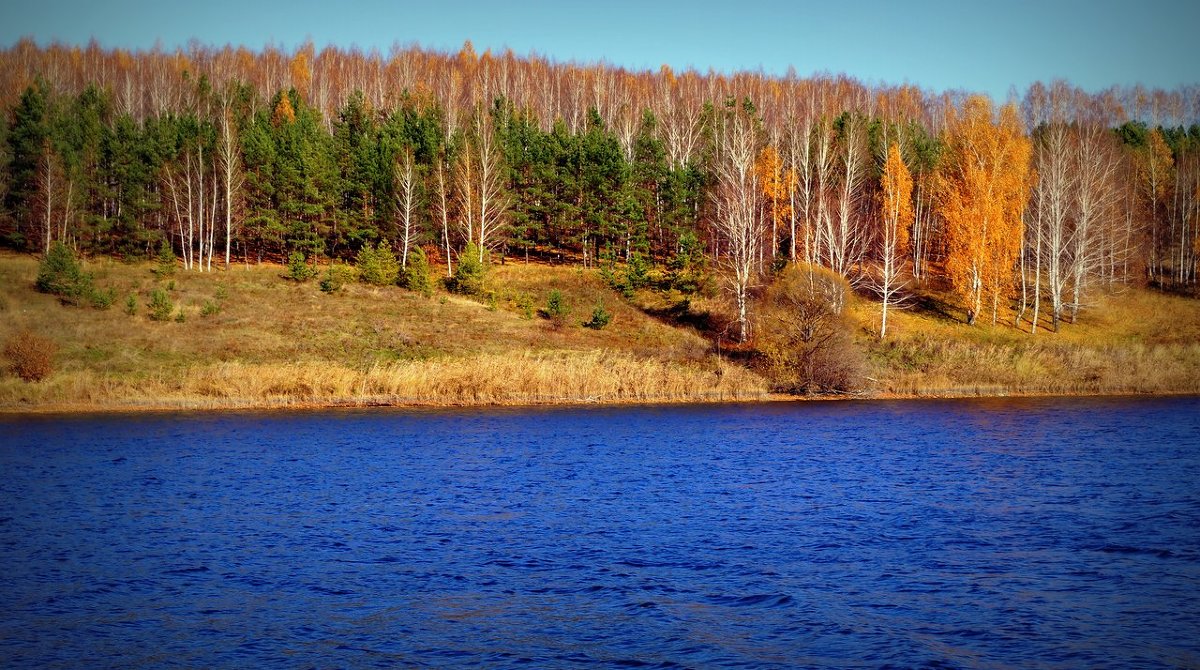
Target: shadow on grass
{"x": 934, "y": 307}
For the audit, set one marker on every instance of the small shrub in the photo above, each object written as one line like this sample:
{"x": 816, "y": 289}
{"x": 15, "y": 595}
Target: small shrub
{"x": 103, "y": 299}
{"x": 470, "y": 274}
{"x": 337, "y": 276}
{"x": 637, "y": 272}
{"x": 635, "y": 275}
{"x": 804, "y": 339}
{"x": 210, "y": 308}
{"x": 687, "y": 270}
{"x": 600, "y": 318}
{"x": 61, "y": 274}
{"x": 181, "y": 317}
{"x": 30, "y": 356}
{"x": 556, "y": 308}
{"x": 525, "y": 305}
{"x": 171, "y": 285}
{"x": 131, "y": 305}
{"x": 492, "y": 304}
{"x": 160, "y": 305}
{"x": 164, "y": 262}
{"x": 378, "y": 265}
{"x": 222, "y": 292}
{"x": 417, "y": 277}
{"x": 299, "y": 269}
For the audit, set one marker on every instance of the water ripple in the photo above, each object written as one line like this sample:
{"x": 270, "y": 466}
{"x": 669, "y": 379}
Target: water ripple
{"x": 922, "y": 534}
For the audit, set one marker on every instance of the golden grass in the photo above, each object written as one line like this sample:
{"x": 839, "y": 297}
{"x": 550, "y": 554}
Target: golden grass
{"x": 489, "y": 379}
{"x": 278, "y": 343}
{"x": 275, "y": 342}
{"x": 1138, "y": 341}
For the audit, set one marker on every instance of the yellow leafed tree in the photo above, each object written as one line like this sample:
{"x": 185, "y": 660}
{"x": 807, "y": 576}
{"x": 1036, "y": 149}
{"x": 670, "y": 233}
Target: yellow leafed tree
{"x": 284, "y": 112}
{"x": 896, "y": 217}
{"x": 982, "y": 192}
{"x": 775, "y": 189}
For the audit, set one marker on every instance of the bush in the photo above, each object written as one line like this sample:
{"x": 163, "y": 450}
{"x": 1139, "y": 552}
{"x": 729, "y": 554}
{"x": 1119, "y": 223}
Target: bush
{"x": 337, "y": 276}
{"x": 30, "y": 356}
{"x": 164, "y": 262}
{"x": 103, "y": 299}
{"x": 636, "y": 274}
{"x": 417, "y": 277}
{"x": 299, "y": 269}
{"x": 378, "y": 265}
{"x": 687, "y": 270}
{"x": 470, "y": 274}
{"x": 525, "y": 304}
{"x": 131, "y": 305}
{"x": 556, "y": 308}
{"x": 600, "y": 318}
{"x": 160, "y": 306}
{"x": 61, "y": 274}
{"x": 210, "y": 308}
{"x": 803, "y": 338}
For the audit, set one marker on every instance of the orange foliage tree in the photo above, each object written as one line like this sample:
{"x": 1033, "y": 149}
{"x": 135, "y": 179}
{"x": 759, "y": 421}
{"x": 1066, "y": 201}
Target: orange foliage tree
{"x": 777, "y": 185}
{"x": 982, "y": 192}
{"x": 895, "y": 219}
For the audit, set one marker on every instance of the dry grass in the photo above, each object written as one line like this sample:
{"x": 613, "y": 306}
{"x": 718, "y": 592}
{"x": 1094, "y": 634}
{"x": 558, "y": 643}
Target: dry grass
{"x": 489, "y": 379}
{"x": 1135, "y": 342}
{"x": 277, "y": 342}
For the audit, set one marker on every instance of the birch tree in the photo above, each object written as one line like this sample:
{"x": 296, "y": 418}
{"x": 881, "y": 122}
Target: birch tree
{"x": 406, "y": 201}
{"x": 895, "y": 219}
{"x": 982, "y": 191}
{"x": 737, "y": 196}
{"x": 229, "y": 163}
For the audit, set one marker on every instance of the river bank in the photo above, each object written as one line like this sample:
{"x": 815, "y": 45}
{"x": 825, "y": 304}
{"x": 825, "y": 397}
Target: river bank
{"x": 247, "y": 338}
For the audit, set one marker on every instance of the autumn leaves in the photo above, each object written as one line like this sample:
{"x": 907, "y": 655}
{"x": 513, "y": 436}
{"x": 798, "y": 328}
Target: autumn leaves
{"x": 981, "y": 187}
{"x": 982, "y": 190}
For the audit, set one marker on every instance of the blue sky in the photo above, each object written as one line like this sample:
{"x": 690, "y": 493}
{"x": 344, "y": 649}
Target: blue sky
{"x": 986, "y": 46}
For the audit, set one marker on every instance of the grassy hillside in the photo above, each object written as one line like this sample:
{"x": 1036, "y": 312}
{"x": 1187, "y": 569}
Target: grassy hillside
{"x": 248, "y": 337}
{"x": 1135, "y": 341}
{"x": 278, "y": 342}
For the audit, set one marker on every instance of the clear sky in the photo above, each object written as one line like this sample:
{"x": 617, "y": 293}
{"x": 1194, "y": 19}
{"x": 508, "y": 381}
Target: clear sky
{"x": 938, "y": 44}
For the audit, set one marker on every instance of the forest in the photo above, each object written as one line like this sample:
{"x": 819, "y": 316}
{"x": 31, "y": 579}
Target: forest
{"x": 231, "y": 155}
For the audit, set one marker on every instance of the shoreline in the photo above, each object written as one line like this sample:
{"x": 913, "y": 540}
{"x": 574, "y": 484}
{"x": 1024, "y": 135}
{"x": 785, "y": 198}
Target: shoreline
{"x": 225, "y": 405}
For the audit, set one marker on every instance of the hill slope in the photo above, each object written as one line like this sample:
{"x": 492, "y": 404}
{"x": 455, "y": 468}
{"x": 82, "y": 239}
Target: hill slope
{"x": 250, "y": 338}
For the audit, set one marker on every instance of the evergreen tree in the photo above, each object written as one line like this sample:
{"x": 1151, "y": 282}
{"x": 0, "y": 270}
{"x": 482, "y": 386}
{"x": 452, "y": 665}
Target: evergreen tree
{"x": 28, "y": 139}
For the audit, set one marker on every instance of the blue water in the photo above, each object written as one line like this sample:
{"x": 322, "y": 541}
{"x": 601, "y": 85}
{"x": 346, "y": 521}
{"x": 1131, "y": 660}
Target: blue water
{"x": 1002, "y": 533}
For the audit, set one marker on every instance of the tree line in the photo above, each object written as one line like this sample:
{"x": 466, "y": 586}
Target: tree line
{"x": 232, "y": 154}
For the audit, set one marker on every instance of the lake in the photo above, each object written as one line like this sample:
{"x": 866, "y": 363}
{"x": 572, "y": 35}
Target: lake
{"x": 1056, "y": 533}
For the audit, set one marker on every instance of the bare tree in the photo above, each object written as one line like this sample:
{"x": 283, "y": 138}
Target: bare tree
{"x": 443, "y": 209}
{"x": 483, "y": 202}
{"x": 737, "y": 199}
{"x": 406, "y": 201}
{"x": 229, "y": 157}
